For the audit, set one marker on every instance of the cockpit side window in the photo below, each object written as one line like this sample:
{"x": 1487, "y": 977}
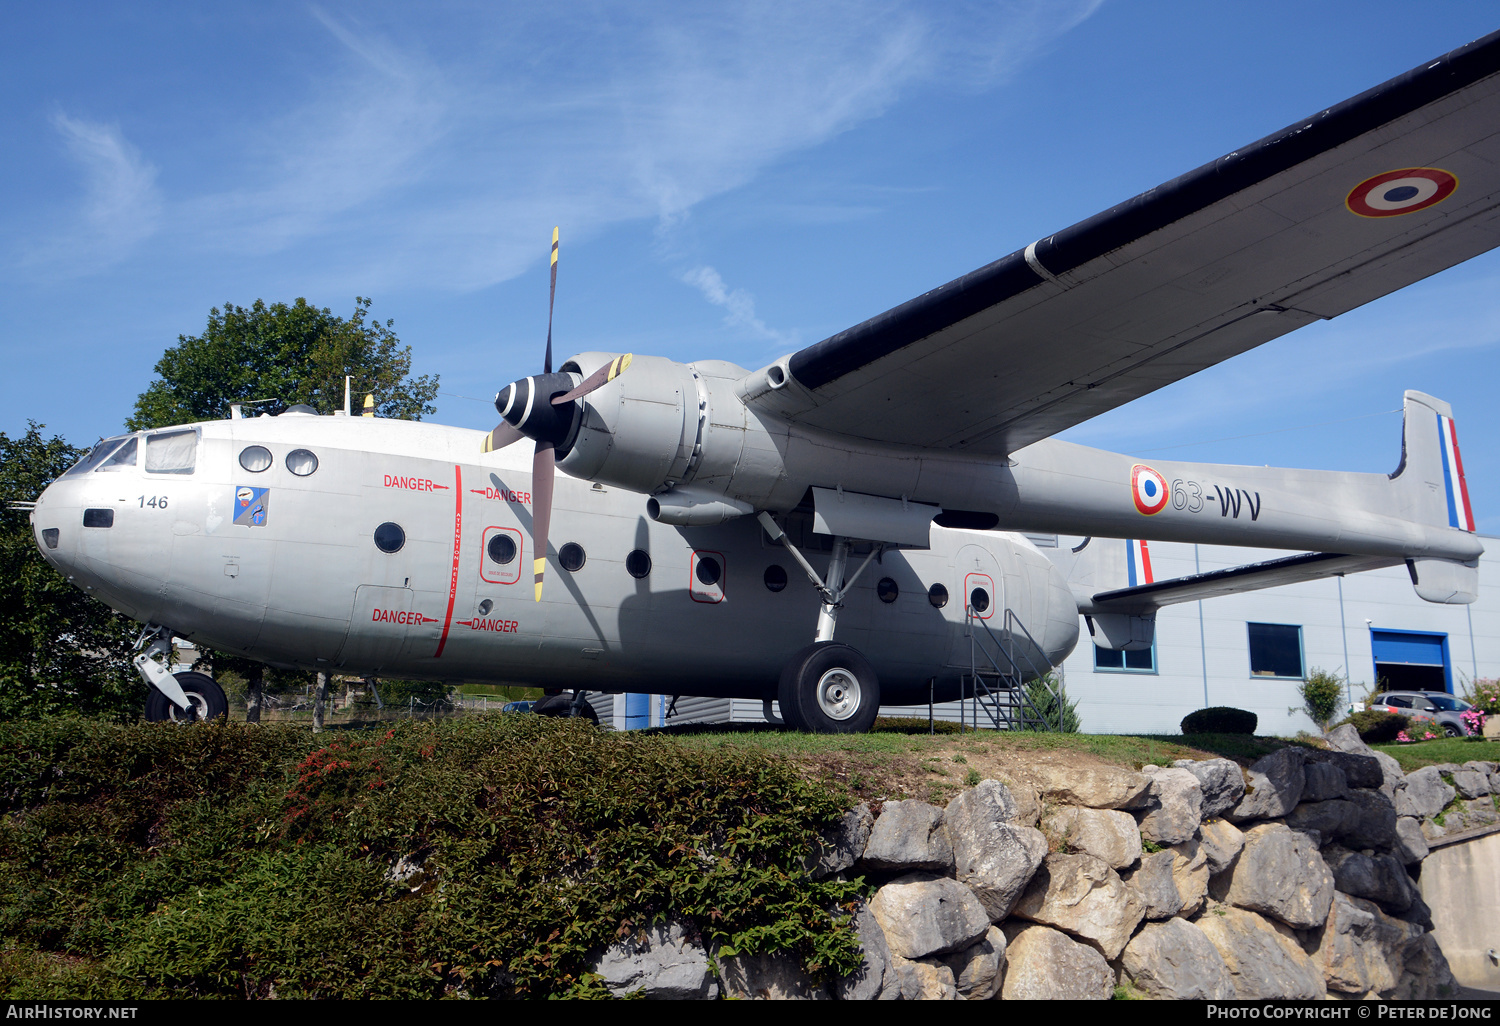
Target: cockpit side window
{"x": 96, "y": 455}
{"x": 123, "y": 457}
{"x": 172, "y": 452}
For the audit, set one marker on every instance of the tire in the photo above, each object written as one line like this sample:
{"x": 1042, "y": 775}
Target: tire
{"x": 1449, "y": 730}
{"x": 829, "y": 688}
{"x": 206, "y": 697}
{"x": 562, "y": 705}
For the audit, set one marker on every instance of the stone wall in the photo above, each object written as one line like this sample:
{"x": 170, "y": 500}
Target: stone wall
{"x": 1292, "y": 879}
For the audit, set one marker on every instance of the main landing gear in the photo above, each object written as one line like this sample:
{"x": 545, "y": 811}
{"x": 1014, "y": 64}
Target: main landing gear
{"x": 560, "y": 704}
{"x": 185, "y": 697}
{"x": 827, "y": 687}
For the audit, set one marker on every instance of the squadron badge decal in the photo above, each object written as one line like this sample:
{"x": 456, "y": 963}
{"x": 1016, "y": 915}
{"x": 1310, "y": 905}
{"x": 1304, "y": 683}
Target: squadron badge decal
{"x": 250, "y": 505}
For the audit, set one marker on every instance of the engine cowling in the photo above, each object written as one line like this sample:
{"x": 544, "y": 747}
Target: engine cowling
{"x": 677, "y": 431}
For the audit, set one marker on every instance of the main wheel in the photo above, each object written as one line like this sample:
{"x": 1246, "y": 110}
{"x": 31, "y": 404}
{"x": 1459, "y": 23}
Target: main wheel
{"x": 1451, "y": 731}
{"x": 206, "y": 701}
{"x": 829, "y": 688}
{"x": 562, "y": 705}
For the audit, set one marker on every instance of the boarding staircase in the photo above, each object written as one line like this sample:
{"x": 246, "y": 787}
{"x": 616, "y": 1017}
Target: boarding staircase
{"x": 995, "y": 686}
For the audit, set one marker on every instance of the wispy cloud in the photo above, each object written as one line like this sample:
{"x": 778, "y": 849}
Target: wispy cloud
{"x": 401, "y": 166}
{"x": 738, "y": 304}
{"x": 119, "y": 206}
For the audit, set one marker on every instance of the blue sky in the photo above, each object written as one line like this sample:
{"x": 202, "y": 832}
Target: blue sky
{"x": 732, "y": 180}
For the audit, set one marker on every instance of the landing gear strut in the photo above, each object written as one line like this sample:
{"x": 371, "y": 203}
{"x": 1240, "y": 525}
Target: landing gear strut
{"x": 174, "y": 697}
{"x": 827, "y": 687}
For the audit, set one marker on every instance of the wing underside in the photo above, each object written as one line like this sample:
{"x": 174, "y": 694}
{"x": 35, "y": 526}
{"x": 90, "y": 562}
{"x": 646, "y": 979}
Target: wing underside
{"x": 1303, "y": 225}
{"x": 1306, "y": 566}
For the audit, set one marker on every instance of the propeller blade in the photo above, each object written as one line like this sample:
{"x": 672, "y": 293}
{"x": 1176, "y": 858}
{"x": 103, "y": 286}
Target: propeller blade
{"x": 551, "y": 298}
{"x": 603, "y": 375}
{"x": 542, "y": 465}
{"x": 502, "y": 436}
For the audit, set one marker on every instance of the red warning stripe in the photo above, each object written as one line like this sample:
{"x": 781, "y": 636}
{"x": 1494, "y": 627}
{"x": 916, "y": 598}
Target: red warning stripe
{"x": 458, "y": 526}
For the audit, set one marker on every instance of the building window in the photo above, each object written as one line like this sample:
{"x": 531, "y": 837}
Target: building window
{"x": 1142, "y": 660}
{"x": 1275, "y": 650}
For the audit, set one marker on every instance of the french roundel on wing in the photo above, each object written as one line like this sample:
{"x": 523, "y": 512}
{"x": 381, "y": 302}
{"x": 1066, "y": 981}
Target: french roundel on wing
{"x": 1401, "y": 192}
{"x": 1148, "y": 488}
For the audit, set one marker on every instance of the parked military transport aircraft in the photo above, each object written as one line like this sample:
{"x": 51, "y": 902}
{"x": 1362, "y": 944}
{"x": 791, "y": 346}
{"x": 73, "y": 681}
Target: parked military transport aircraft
{"x": 890, "y": 464}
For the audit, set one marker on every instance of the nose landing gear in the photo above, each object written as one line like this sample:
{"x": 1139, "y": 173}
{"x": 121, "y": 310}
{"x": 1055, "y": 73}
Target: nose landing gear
{"x": 185, "y": 697}
{"x": 206, "y": 701}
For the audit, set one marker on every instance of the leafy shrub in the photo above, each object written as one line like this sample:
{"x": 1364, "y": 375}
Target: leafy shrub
{"x": 1220, "y": 719}
{"x": 907, "y": 725}
{"x": 1376, "y": 727}
{"x": 483, "y": 856}
{"x": 1322, "y": 694}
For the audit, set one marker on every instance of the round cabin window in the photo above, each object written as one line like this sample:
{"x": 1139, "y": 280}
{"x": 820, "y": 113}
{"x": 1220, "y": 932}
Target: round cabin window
{"x": 638, "y": 563}
{"x": 571, "y": 557}
{"x": 979, "y": 600}
{"x": 887, "y": 590}
{"x": 775, "y": 578}
{"x": 709, "y": 571}
{"x": 301, "y": 462}
{"x": 938, "y": 596}
{"x": 501, "y": 548}
{"x": 255, "y": 458}
{"x": 389, "y": 537}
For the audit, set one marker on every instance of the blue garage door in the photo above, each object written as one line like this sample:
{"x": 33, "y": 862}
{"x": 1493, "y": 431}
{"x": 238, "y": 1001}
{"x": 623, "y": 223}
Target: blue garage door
{"x": 1411, "y": 656}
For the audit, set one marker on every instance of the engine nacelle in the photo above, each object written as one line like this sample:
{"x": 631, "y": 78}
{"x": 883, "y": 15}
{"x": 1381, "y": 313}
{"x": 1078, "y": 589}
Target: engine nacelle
{"x": 664, "y": 424}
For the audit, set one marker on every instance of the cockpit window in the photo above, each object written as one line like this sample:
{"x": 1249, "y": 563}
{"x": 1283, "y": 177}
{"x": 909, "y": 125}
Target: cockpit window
{"x": 172, "y": 452}
{"x": 97, "y": 454}
{"x": 123, "y": 457}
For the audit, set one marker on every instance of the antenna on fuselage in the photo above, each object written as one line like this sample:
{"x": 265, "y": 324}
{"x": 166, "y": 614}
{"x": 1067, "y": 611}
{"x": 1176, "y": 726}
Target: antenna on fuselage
{"x": 347, "y": 411}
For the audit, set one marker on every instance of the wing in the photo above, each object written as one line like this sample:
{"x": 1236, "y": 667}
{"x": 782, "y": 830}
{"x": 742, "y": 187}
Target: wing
{"x": 1341, "y": 208}
{"x": 1308, "y": 566}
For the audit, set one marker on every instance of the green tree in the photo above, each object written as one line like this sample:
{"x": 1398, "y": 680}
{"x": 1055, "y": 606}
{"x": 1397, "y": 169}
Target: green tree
{"x": 1322, "y": 695}
{"x": 288, "y": 354}
{"x": 60, "y": 651}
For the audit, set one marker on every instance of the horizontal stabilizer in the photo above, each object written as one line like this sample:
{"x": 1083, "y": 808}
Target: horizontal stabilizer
{"x": 1307, "y": 566}
{"x": 1444, "y": 581}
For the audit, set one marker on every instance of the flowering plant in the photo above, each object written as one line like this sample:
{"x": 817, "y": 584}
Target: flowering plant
{"x": 1426, "y": 732}
{"x": 1473, "y": 721}
{"x": 1485, "y": 695}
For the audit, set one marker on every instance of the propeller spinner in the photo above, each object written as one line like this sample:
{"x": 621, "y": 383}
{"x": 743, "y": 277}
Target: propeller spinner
{"x": 540, "y": 407}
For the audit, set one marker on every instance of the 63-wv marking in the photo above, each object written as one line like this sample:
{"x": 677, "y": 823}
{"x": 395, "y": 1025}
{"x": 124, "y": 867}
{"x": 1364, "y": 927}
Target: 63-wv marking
{"x": 1191, "y": 496}
{"x": 154, "y": 501}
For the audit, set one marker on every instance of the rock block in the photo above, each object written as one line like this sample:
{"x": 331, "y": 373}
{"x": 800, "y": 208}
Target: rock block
{"x": 923, "y": 915}
{"x": 1042, "y": 964}
{"x": 1097, "y": 787}
{"x": 1275, "y": 786}
{"x": 994, "y": 857}
{"x": 1222, "y": 783}
{"x": 1175, "y": 961}
{"x": 908, "y": 836}
{"x": 1279, "y": 874}
{"x": 1173, "y": 807}
{"x": 1082, "y": 895}
{"x": 1264, "y": 962}
{"x": 1109, "y": 835}
{"x": 660, "y": 962}
{"x": 840, "y": 846}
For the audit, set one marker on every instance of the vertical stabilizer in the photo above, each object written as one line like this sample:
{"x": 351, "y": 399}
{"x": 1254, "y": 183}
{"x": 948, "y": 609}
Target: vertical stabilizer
{"x": 1430, "y": 489}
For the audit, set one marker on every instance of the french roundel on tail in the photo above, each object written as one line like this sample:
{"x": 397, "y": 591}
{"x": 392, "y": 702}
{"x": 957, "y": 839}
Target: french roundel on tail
{"x": 1460, "y": 513}
{"x": 1148, "y": 489}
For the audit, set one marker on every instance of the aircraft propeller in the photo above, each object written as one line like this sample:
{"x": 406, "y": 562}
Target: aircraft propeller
{"x": 546, "y": 422}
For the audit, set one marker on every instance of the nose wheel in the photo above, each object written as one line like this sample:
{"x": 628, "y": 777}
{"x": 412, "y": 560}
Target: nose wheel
{"x": 829, "y": 688}
{"x": 206, "y": 701}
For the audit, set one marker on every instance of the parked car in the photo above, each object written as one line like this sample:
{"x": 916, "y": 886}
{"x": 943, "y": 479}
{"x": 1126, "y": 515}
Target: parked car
{"x": 1426, "y": 705}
